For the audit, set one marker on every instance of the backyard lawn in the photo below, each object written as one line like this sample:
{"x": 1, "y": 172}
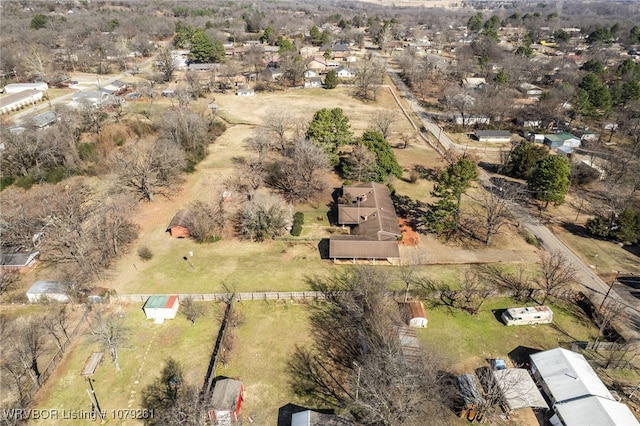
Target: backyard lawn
{"x": 263, "y": 344}
{"x": 141, "y": 361}
{"x": 467, "y": 341}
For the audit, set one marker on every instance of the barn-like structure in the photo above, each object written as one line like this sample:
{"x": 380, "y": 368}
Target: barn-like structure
{"x": 180, "y": 225}
{"x": 226, "y": 401}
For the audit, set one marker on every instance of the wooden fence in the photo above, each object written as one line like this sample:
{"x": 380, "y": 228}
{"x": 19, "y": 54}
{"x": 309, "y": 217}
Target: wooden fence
{"x": 223, "y": 297}
{"x": 57, "y": 357}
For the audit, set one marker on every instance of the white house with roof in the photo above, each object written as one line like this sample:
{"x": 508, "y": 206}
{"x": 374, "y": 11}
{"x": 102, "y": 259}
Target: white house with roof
{"x": 345, "y": 72}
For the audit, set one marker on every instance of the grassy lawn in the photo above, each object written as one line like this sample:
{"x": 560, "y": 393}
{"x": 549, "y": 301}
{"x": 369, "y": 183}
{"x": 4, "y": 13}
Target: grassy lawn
{"x": 466, "y": 341}
{"x": 262, "y": 346}
{"x": 607, "y": 257}
{"x": 266, "y": 266}
{"x": 141, "y": 361}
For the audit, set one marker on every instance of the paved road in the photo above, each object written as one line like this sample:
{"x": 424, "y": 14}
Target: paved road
{"x": 588, "y": 279}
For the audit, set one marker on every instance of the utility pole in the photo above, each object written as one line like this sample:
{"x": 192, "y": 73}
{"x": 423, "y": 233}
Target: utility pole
{"x": 609, "y": 291}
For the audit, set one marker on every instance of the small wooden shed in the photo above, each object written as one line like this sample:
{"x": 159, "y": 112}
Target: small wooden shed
{"x": 160, "y": 308}
{"x": 226, "y": 401}
{"x": 415, "y": 314}
{"x": 180, "y": 225}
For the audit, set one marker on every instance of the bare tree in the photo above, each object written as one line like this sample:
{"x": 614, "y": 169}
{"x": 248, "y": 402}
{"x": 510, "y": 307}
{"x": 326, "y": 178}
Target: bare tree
{"x": 8, "y": 280}
{"x": 56, "y": 324}
{"x": 261, "y": 143}
{"x": 187, "y": 130}
{"x": 263, "y": 217}
{"x": 148, "y": 168}
{"x": 208, "y": 218}
{"x": 369, "y": 75}
{"x": 357, "y": 360}
{"x": 28, "y": 344}
{"x": 249, "y": 175}
{"x": 495, "y": 211}
{"x": 472, "y": 293}
{"x": 192, "y": 310}
{"x": 383, "y": 120}
{"x": 172, "y": 399}
{"x": 166, "y": 63}
{"x": 606, "y": 314}
{"x": 518, "y": 282}
{"x": 557, "y": 274}
{"x": 279, "y": 122}
{"x": 109, "y": 330}
{"x": 300, "y": 173}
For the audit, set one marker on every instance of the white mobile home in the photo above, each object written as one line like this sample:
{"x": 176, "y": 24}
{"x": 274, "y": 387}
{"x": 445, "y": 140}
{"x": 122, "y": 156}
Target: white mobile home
{"x": 527, "y": 316}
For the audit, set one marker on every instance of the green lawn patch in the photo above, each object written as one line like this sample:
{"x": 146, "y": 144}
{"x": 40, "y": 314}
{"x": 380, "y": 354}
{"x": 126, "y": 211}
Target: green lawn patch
{"x": 466, "y": 341}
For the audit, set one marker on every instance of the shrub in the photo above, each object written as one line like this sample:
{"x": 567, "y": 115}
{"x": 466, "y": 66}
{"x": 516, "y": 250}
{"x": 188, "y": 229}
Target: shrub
{"x": 25, "y": 182}
{"x": 145, "y": 253}
{"x": 296, "y": 230}
{"x": 529, "y": 237}
{"x": 298, "y": 218}
{"x": 6, "y": 181}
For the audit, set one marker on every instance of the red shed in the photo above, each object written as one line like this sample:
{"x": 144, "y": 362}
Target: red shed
{"x": 226, "y": 401}
{"x": 180, "y": 224}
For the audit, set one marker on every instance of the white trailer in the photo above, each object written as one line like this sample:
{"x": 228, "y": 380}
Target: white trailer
{"x": 527, "y": 316}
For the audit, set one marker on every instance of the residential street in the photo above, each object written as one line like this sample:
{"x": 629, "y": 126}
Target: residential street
{"x": 588, "y": 279}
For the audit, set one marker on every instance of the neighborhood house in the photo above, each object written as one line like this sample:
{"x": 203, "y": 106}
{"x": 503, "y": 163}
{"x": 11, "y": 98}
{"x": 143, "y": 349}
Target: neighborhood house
{"x": 375, "y": 229}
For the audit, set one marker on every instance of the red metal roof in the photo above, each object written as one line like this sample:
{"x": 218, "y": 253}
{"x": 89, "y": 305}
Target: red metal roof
{"x": 171, "y": 301}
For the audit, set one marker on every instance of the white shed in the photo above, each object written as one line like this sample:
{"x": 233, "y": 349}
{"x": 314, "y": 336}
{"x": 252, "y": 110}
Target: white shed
{"x": 160, "y": 308}
{"x": 415, "y": 314}
{"x": 47, "y": 290}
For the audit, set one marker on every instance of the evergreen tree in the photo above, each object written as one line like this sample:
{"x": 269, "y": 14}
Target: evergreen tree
{"x": 523, "y": 159}
{"x": 218, "y": 53}
{"x": 266, "y": 35}
{"x": 386, "y": 162}
{"x": 330, "y": 129}
{"x": 593, "y": 97}
{"x": 331, "y": 80}
{"x": 475, "y": 22}
{"x": 501, "y": 78}
{"x": 550, "y": 179}
{"x": 202, "y": 49}
{"x": 183, "y": 35}
{"x": 454, "y": 181}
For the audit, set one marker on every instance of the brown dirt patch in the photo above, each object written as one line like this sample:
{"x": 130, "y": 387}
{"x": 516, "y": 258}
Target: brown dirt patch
{"x": 409, "y": 235}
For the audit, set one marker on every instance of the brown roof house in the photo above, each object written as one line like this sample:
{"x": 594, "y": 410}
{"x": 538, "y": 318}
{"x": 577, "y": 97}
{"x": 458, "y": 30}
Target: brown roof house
{"x": 180, "y": 225}
{"x": 373, "y": 222}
